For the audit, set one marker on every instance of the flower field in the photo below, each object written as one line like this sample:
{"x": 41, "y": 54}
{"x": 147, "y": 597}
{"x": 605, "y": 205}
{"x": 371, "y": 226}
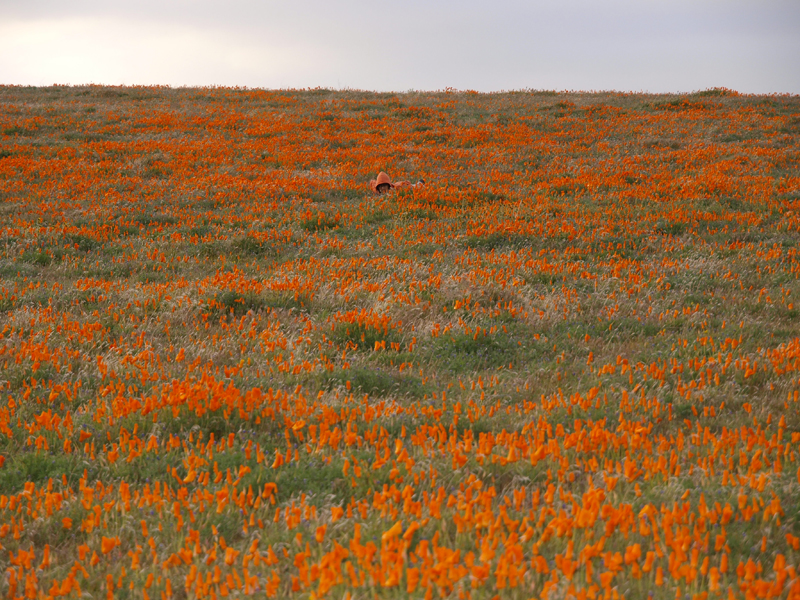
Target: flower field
{"x": 567, "y": 366}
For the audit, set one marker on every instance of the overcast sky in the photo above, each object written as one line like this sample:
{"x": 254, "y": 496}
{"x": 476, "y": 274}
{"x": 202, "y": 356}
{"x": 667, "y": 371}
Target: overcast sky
{"x": 751, "y": 46}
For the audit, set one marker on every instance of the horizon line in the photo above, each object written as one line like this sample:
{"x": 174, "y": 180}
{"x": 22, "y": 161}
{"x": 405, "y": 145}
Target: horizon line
{"x": 711, "y": 91}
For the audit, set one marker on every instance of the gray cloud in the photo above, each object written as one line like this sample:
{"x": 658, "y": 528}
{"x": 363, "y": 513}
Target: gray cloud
{"x": 678, "y": 45}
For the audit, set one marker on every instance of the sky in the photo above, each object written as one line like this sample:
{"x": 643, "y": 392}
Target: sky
{"x": 658, "y": 46}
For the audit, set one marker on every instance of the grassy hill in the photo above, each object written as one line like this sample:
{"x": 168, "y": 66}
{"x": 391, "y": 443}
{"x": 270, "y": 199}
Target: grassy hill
{"x": 566, "y": 366}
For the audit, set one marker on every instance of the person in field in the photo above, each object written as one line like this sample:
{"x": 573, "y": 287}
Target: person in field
{"x": 383, "y": 183}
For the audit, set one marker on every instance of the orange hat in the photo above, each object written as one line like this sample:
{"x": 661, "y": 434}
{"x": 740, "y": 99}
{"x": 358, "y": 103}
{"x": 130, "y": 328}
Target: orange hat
{"x": 382, "y": 178}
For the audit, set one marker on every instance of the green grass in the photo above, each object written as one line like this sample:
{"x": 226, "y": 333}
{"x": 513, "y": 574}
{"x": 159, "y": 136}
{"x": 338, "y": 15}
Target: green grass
{"x": 462, "y": 353}
{"x": 377, "y": 382}
{"x": 629, "y": 287}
